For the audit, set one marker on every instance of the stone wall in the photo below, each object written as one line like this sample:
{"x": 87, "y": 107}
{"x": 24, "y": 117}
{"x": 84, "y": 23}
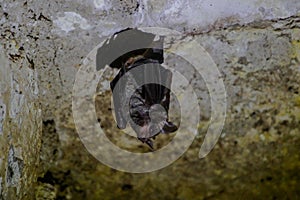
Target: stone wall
{"x": 255, "y": 46}
{"x": 20, "y": 127}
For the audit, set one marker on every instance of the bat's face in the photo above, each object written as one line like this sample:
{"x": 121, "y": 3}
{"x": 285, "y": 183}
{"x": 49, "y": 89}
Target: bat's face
{"x": 149, "y": 121}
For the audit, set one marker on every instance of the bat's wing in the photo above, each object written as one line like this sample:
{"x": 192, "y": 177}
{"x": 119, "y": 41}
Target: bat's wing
{"x": 158, "y": 92}
{"x": 150, "y": 70}
{"x": 118, "y": 100}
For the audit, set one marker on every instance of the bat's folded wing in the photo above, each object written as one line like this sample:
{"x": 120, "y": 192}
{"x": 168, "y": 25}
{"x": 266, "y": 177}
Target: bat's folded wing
{"x": 156, "y": 91}
{"x": 118, "y": 98}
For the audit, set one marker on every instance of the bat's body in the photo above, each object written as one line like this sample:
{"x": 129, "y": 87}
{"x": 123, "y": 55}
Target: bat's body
{"x": 144, "y": 106}
{"x": 148, "y": 103}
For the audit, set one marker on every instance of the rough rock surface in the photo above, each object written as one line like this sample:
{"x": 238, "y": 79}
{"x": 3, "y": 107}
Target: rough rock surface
{"x": 256, "y": 48}
{"x": 20, "y": 128}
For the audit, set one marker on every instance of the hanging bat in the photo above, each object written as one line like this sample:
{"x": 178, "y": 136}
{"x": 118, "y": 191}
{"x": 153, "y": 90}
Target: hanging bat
{"x": 148, "y": 104}
{"x": 144, "y": 106}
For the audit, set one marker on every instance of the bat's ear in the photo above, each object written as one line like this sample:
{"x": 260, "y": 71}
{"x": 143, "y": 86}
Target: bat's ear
{"x": 169, "y": 127}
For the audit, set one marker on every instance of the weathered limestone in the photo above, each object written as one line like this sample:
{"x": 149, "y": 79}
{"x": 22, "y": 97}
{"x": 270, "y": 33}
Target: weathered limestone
{"x": 20, "y": 129}
{"x": 255, "y": 46}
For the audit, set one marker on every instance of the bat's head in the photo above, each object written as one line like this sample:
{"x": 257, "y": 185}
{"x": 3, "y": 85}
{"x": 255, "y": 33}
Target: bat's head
{"x": 153, "y": 121}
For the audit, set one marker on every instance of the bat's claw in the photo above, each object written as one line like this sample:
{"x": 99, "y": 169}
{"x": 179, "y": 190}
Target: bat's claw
{"x": 147, "y": 141}
{"x": 169, "y": 127}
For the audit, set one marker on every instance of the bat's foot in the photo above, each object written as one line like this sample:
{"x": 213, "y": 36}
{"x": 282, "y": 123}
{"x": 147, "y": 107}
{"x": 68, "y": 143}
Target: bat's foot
{"x": 169, "y": 127}
{"x": 147, "y": 141}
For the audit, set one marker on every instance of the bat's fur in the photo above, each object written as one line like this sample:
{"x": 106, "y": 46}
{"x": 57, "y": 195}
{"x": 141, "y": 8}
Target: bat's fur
{"x": 148, "y": 104}
{"x": 145, "y": 107}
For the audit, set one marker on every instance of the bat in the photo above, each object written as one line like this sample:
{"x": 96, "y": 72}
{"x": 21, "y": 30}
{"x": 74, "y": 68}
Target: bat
{"x": 144, "y": 106}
